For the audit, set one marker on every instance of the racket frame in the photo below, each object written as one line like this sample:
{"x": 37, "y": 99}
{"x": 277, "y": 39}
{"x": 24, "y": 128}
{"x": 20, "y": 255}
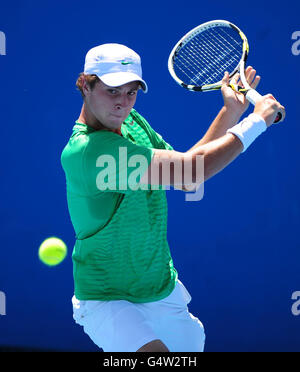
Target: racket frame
{"x": 251, "y": 94}
{"x": 190, "y": 35}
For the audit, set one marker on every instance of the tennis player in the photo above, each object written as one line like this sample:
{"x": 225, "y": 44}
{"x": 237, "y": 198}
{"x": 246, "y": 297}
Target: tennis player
{"x": 127, "y": 294}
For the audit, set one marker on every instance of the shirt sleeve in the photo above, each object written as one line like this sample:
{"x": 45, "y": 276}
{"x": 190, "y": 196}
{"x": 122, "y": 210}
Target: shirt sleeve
{"x": 156, "y": 139}
{"x": 114, "y": 164}
{"x": 161, "y": 143}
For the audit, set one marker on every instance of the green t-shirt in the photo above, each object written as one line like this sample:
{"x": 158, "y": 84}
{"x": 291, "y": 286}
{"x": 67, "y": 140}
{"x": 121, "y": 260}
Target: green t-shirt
{"x": 121, "y": 250}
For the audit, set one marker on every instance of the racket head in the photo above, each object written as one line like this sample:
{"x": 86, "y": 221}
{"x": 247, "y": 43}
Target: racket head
{"x": 200, "y": 58}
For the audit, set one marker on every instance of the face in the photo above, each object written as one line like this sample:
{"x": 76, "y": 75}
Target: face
{"x": 109, "y": 106}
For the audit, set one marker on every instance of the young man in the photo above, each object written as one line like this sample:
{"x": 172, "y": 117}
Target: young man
{"x": 127, "y": 293}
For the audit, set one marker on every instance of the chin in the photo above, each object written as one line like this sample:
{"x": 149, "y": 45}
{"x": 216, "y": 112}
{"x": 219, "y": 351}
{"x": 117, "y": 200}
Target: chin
{"x": 113, "y": 125}
{"x": 117, "y": 120}
{"x": 116, "y": 123}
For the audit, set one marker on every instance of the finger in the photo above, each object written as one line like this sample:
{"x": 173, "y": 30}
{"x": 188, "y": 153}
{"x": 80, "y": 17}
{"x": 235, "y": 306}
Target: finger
{"x": 250, "y": 76}
{"x": 235, "y": 78}
{"x": 225, "y": 79}
{"x": 255, "y": 83}
{"x": 269, "y": 95}
{"x": 248, "y": 71}
{"x": 282, "y": 107}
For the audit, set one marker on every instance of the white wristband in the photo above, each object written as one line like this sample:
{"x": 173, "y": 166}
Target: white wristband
{"x": 249, "y": 129}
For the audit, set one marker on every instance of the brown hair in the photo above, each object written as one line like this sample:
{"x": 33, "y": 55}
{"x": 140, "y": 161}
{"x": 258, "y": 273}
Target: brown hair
{"x": 90, "y": 79}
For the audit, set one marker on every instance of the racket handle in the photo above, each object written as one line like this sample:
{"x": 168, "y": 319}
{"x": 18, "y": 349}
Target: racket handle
{"x": 253, "y": 96}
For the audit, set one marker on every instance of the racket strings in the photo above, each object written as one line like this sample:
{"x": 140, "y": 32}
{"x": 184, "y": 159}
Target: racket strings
{"x": 221, "y": 53}
{"x": 214, "y": 52}
{"x": 211, "y": 69}
{"x": 206, "y": 56}
{"x": 207, "y": 49}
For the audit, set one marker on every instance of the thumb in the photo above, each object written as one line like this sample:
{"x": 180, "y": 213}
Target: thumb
{"x": 270, "y": 96}
{"x": 225, "y": 80}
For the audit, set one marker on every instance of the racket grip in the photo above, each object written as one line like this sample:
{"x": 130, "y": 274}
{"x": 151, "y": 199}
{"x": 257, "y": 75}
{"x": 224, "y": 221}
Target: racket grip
{"x": 253, "y": 96}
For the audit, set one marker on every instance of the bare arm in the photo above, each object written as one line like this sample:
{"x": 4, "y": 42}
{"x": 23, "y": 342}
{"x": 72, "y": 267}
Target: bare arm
{"x": 170, "y": 167}
{"x": 216, "y": 148}
{"x": 225, "y": 119}
{"x": 173, "y": 167}
{"x": 234, "y": 106}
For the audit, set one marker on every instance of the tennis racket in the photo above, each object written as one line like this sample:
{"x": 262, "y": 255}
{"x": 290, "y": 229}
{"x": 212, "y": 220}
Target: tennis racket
{"x": 200, "y": 58}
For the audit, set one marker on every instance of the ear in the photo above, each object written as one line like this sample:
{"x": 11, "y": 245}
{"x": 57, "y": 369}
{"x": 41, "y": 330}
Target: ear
{"x": 85, "y": 86}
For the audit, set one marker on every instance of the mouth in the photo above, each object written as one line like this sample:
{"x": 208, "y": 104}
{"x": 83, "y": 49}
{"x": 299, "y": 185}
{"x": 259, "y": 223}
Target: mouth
{"x": 117, "y": 116}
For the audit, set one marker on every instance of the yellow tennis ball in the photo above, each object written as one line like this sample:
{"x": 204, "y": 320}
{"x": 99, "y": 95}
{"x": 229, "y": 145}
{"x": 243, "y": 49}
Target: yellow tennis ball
{"x": 52, "y": 251}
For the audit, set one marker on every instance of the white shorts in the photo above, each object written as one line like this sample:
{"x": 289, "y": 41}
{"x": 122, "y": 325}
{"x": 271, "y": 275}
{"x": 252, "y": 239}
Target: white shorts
{"x": 123, "y": 326}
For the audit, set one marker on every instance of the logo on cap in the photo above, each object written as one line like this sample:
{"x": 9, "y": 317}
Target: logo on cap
{"x": 124, "y": 62}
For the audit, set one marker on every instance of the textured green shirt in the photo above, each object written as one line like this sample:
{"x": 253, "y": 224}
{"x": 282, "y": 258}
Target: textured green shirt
{"x": 121, "y": 250}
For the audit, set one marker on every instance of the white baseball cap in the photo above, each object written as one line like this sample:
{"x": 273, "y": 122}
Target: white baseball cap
{"x": 115, "y": 65}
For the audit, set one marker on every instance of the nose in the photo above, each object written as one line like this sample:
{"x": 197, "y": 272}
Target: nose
{"x": 123, "y": 101}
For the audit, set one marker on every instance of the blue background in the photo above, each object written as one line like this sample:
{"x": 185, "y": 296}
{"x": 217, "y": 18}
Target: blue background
{"x": 237, "y": 250}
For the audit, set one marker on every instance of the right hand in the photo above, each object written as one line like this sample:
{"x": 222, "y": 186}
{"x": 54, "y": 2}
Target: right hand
{"x": 232, "y": 99}
{"x": 267, "y": 107}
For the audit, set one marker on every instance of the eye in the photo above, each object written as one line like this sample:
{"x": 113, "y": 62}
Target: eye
{"x": 132, "y": 93}
{"x": 113, "y": 91}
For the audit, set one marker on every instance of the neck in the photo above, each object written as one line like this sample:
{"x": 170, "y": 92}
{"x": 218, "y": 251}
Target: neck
{"x": 86, "y": 117}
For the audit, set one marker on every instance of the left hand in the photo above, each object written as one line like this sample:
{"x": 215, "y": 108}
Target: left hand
{"x": 234, "y": 100}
